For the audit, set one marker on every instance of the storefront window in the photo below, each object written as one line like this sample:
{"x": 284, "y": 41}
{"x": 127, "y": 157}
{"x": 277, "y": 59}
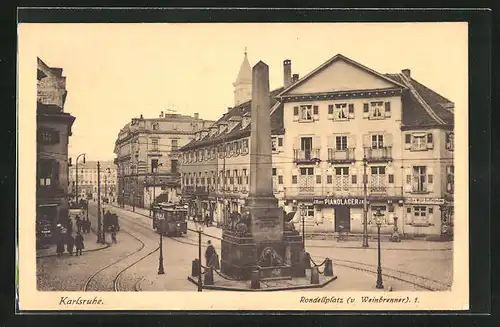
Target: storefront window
{"x": 372, "y": 219}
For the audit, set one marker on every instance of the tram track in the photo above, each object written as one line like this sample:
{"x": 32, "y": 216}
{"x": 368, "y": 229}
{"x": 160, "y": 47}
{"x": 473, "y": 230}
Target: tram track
{"x": 115, "y": 284}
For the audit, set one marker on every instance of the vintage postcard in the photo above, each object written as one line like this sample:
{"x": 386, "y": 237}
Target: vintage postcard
{"x": 243, "y": 166}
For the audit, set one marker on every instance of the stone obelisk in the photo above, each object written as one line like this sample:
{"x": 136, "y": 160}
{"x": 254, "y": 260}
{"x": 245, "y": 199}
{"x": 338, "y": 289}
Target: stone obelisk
{"x": 266, "y": 217}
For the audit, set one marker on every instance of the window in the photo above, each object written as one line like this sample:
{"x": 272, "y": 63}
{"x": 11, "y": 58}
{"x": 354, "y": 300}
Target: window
{"x": 407, "y": 138}
{"x": 420, "y": 212}
{"x": 308, "y": 211}
{"x": 295, "y": 111}
{"x": 315, "y": 110}
{"x": 294, "y": 179}
{"x": 48, "y": 136}
{"x": 341, "y": 143}
{"x": 280, "y": 141}
{"x": 354, "y": 179}
{"x": 450, "y": 141}
{"x": 376, "y": 109}
{"x": 173, "y": 165}
{"x": 244, "y": 146}
{"x": 154, "y": 165}
{"x": 377, "y": 141}
{"x": 154, "y": 144}
{"x": 174, "y": 145}
{"x": 419, "y": 173}
{"x": 378, "y": 178}
{"x": 341, "y": 111}
{"x": 431, "y": 210}
{"x": 155, "y": 126}
{"x": 306, "y": 171}
{"x": 387, "y": 107}
{"x": 419, "y": 142}
{"x": 274, "y": 171}
{"x": 46, "y": 171}
{"x": 280, "y": 179}
{"x": 273, "y": 144}
{"x": 318, "y": 179}
{"x": 342, "y": 178}
{"x": 330, "y": 109}
{"x": 351, "y": 110}
{"x": 329, "y": 179}
{"x": 391, "y": 179}
{"x": 306, "y": 112}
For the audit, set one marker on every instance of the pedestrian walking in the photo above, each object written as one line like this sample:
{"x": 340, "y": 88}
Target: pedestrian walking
{"x": 79, "y": 224}
{"x": 207, "y": 220}
{"x": 79, "y": 243}
{"x": 209, "y": 254}
{"x": 113, "y": 234}
{"x": 87, "y": 225}
{"x": 70, "y": 243}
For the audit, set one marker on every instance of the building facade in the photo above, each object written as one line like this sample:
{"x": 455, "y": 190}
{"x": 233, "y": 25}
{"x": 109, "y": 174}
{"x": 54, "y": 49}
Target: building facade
{"x": 53, "y": 132}
{"x": 147, "y": 164}
{"x": 88, "y": 181}
{"x": 330, "y": 127}
{"x": 343, "y": 119}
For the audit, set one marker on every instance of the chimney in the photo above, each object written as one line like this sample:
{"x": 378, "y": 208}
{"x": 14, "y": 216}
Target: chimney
{"x": 287, "y": 73}
{"x": 229, "y": 109}
{"x": 161, "y": 114}
{"x": 196, "y": 115}
{"x": 141, "y": 117}
{"x": 295, "y": 78}
{"x": 406, "y": 72}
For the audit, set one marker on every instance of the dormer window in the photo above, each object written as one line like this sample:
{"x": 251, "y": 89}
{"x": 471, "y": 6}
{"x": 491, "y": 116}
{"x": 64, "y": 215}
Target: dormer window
{"x": 155, "y": 126}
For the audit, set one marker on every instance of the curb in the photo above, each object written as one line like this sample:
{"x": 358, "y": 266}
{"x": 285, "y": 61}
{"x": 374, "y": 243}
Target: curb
{"x": 274, "y": 289}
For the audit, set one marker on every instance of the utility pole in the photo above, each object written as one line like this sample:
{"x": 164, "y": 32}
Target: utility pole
{"x": 365, "y": 204}
{"x": 99, "y": 240}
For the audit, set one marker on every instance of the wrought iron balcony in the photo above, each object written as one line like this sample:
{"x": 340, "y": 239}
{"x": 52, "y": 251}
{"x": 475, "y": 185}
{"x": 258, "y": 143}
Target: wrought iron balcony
{"x": 341, "y": 156}
{"x": 379, "y": 154}
{"x": 306, "y": 156}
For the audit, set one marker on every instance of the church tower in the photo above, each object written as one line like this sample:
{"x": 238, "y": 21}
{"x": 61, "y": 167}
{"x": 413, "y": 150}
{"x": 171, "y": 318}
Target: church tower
{"x": 243, "y": 83}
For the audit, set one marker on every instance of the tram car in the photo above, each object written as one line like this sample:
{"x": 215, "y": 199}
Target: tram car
{"x": 111, "y": 220}
{"x": 170, "y": 218}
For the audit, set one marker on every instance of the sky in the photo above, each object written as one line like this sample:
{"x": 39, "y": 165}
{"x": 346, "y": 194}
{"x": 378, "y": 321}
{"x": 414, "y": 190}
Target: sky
{"x": 115, "y": 72}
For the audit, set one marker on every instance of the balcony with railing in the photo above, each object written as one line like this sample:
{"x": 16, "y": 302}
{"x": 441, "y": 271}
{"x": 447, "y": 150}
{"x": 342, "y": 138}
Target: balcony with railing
{"x": 372, "y": 191}
{"x": 306, "y": 156}
{"x": 341, "y": 156}
{"x": 378, "y": 154}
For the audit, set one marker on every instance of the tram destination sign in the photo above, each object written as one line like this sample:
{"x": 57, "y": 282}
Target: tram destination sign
{"x": 339, "y": 201}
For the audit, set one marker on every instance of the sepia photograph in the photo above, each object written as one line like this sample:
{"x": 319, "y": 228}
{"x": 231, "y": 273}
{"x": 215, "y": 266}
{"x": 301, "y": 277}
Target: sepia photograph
{"x": 235, "y": 163}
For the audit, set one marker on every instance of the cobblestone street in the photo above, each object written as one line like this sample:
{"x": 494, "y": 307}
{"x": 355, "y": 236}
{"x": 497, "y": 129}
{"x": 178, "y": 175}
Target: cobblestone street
{"x": 409, "y": 265}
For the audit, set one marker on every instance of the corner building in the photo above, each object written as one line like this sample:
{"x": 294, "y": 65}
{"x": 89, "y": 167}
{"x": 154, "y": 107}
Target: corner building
{"x": 343, "y": 118}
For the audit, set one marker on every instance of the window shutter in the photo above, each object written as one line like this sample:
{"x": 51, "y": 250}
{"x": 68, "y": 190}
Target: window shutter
{"x": 388, "y": 140}
{"x": 387, "y": 109}
{"x": 408, "y": 179}
{"x": 366, "y": 110}
{"x": 331, "y": 141}
{"x": 366, "y": 141}
{"x": 316, "y": 112}
{"x": 430, "y": 186}
{"x": 295, "y": 113}
{"x": 430, "y": 141}
{"x": 351, "y": 110}
{"x": 407, "y": 141}
{"x": 316, "y": 142}
{"x": 330, "y": 110}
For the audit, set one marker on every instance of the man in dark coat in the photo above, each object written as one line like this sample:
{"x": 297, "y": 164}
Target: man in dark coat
{"x": 60, "y": 245}
{"x": 70, "y": 243}
{"x": 209, "y": 253}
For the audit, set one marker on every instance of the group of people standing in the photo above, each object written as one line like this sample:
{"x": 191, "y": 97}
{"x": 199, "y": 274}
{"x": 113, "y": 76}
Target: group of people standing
{"x": 66, "y": 236}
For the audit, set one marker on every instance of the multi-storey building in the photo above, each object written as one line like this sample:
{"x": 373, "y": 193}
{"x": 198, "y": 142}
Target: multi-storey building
{"x": 146, "y": 157}
{"x": 215, "y": 165}
{"x": 87, "y": 180}
{"x": 329, "y": 127}
{"x": 344, "y": 118}
{"x": 53, "y": 132}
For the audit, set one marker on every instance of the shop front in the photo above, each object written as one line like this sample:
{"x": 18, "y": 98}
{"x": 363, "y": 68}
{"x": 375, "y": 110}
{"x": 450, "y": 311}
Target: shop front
{"x": 425, "y": 216}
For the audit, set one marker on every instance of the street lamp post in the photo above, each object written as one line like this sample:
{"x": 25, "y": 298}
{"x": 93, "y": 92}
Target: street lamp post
{"x": 161, "y": 271}
{"x": 199, "y": 229}
{"x": 380, "y": 284}
{"x": 76, "y": 172}
{"x": 303, "y": 216}
{"x": 365, "y": 205}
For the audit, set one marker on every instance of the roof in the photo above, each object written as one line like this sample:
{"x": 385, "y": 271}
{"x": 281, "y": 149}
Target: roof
{"x": 235, "y": 133}
{"x": 424, "y": 106}
{"x": 332, "y": 60}
{"x": 245, "y": 73}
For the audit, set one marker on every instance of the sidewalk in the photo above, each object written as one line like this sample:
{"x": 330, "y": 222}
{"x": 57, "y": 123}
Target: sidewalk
{"x": 353, "y": 242}
{"x": 139, "y": 211}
